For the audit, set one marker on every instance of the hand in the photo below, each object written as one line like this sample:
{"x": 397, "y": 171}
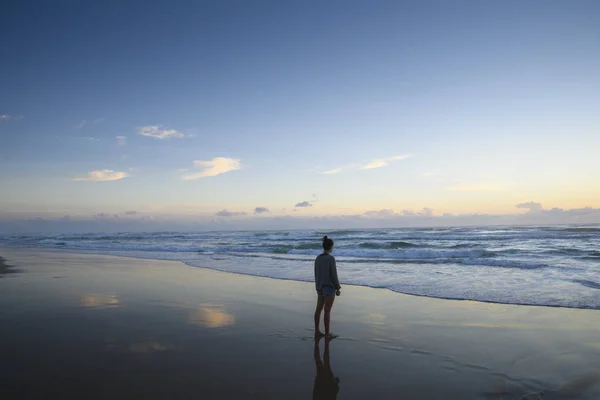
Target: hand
{"x": 337, "y": 293}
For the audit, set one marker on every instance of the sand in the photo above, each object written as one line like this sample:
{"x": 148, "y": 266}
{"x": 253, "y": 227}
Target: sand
{"x": 110, "y": 327}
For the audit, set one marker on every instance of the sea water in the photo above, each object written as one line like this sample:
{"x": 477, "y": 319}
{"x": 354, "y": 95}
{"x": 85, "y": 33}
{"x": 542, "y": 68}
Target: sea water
{"x": 547, "y": 266}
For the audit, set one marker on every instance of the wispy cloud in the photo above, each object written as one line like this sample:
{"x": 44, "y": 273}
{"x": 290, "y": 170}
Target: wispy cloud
{"x": 214, "y": 167}
{"x": 91, "y": 139}
{"x": 121, "y": 140}
{"x": 304, "y": 204}
{"x": 378, "y": 163}
{"x": 476, "y": 187}
{"x": 103, "y": 215}
{"x": 384, "y": 162}
{"x": 261, "y": 210}
{"x": 6, "y": 117}
{"x": 431, "y": 173}
{"x": 85, "y": 122}
{"x": 81, "y": 124}
{"x": 226, "y": 213}
{"x": 159, "y": 132}
{"x": 103, "y": 175}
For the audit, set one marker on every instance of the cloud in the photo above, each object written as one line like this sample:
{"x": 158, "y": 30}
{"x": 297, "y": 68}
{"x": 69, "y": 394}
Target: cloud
{"x": 384, "y": 162}
{"x": 387, "y": 213}
{"x": 103, "y": 175}
{"x": 532, "y": 206}
{"x": 159, "y": 132}
{"x": 384, "y": 213}
{"x": 375, "y": 164}
{"x": 303, "y": 204}
{"x": 91, "y": 139}
{"x": 431, "y": 173}
{"x": 214, "y": 167}
{"x": 6, "y": 117}
{"x": 103, "y": 215}
{"x": 130, "y": 212}
{"x": 121, "y": 140}
{"x": 225, "y": 213}
{"x": 85, "y": 122}
{"x": 476, "y": 187}
{"x": 378, "y": 163}
{"x": 261, "y": 210}
{"x": 426, "y": 212}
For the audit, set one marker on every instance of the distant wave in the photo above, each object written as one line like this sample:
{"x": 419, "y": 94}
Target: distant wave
{"x": 587, "y": 283}
{"x": 581, "y": 230}
{"x": 403, "y": 254}
{"x": 387, "y": 245}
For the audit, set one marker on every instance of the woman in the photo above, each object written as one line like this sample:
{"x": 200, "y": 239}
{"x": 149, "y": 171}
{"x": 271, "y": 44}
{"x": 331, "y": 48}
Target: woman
{"x": 328, "y": 285}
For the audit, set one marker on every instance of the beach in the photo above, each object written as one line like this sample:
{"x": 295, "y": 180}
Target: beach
{"x": 103, "y": 326}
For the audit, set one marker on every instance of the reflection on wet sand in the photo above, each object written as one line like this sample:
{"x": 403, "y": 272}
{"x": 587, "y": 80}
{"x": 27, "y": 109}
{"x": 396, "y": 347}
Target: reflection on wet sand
{"x": 148, "y": 346}
{"x": 580, "y": 385}
{"x": 5, "y": 268}
{"x": 376, "y": 319}
{"x": 573, "y": 389}
{"x": 211, "y": 316}
{"x": 326, "y": 383}
{"x": 100, "y": 300}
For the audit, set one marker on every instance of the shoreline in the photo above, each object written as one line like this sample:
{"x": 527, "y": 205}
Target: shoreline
{"x": 159, "y": 329}
{"x": 100, "y": 253}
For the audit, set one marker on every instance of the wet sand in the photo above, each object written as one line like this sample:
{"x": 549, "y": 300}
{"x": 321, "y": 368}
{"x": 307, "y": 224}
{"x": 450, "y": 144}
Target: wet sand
{"x": 91, "y": 326}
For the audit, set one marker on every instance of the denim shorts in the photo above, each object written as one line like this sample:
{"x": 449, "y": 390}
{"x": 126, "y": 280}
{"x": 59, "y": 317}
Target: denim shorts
{"x": 326, "y": 291}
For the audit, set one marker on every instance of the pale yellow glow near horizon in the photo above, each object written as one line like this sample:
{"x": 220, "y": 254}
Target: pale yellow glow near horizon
{"x": 476, "y": 198}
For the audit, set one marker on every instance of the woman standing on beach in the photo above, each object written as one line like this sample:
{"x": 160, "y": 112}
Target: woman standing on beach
{"x": 327, "y": 285}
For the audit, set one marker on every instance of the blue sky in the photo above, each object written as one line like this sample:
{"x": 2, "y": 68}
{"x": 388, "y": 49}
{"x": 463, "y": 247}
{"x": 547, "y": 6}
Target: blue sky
{"x": 458, "y": 106}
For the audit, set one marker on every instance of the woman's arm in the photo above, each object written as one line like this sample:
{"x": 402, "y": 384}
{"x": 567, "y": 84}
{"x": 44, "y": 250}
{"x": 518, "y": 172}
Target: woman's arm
{"x": 334, "y": 276}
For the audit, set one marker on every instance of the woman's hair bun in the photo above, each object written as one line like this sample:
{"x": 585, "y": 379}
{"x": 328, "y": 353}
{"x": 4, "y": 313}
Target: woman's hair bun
{"x": 325, "y": 238}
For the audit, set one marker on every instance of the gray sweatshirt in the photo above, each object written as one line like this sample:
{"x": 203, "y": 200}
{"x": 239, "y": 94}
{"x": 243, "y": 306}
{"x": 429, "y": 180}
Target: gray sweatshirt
{"x": 326, "y": 272}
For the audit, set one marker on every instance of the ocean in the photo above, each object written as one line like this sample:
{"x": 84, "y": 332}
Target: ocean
{"x": 546, "y": 266}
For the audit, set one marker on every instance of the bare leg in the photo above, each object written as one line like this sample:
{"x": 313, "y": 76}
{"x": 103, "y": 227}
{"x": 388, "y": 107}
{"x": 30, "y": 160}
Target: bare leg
{"x": 327, "y": 318}
{"x": 320, "y": 303}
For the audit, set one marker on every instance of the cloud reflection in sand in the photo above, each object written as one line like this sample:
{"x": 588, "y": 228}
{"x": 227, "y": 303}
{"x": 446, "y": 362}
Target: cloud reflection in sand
{"x": 148, "y": 346}
{"x": 211, "y": 316}
{"x": 100, "y": 300}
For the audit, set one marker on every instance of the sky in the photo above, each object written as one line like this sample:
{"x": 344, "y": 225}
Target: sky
{"x": 298, "y": 112}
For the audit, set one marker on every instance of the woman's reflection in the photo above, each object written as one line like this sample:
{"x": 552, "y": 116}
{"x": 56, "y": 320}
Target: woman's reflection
{"x": 326, "y": 384}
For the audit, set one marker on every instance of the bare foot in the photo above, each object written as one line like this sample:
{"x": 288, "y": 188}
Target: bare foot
{"x": 319, "y": 335}
{"x": 331, "y": 336}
